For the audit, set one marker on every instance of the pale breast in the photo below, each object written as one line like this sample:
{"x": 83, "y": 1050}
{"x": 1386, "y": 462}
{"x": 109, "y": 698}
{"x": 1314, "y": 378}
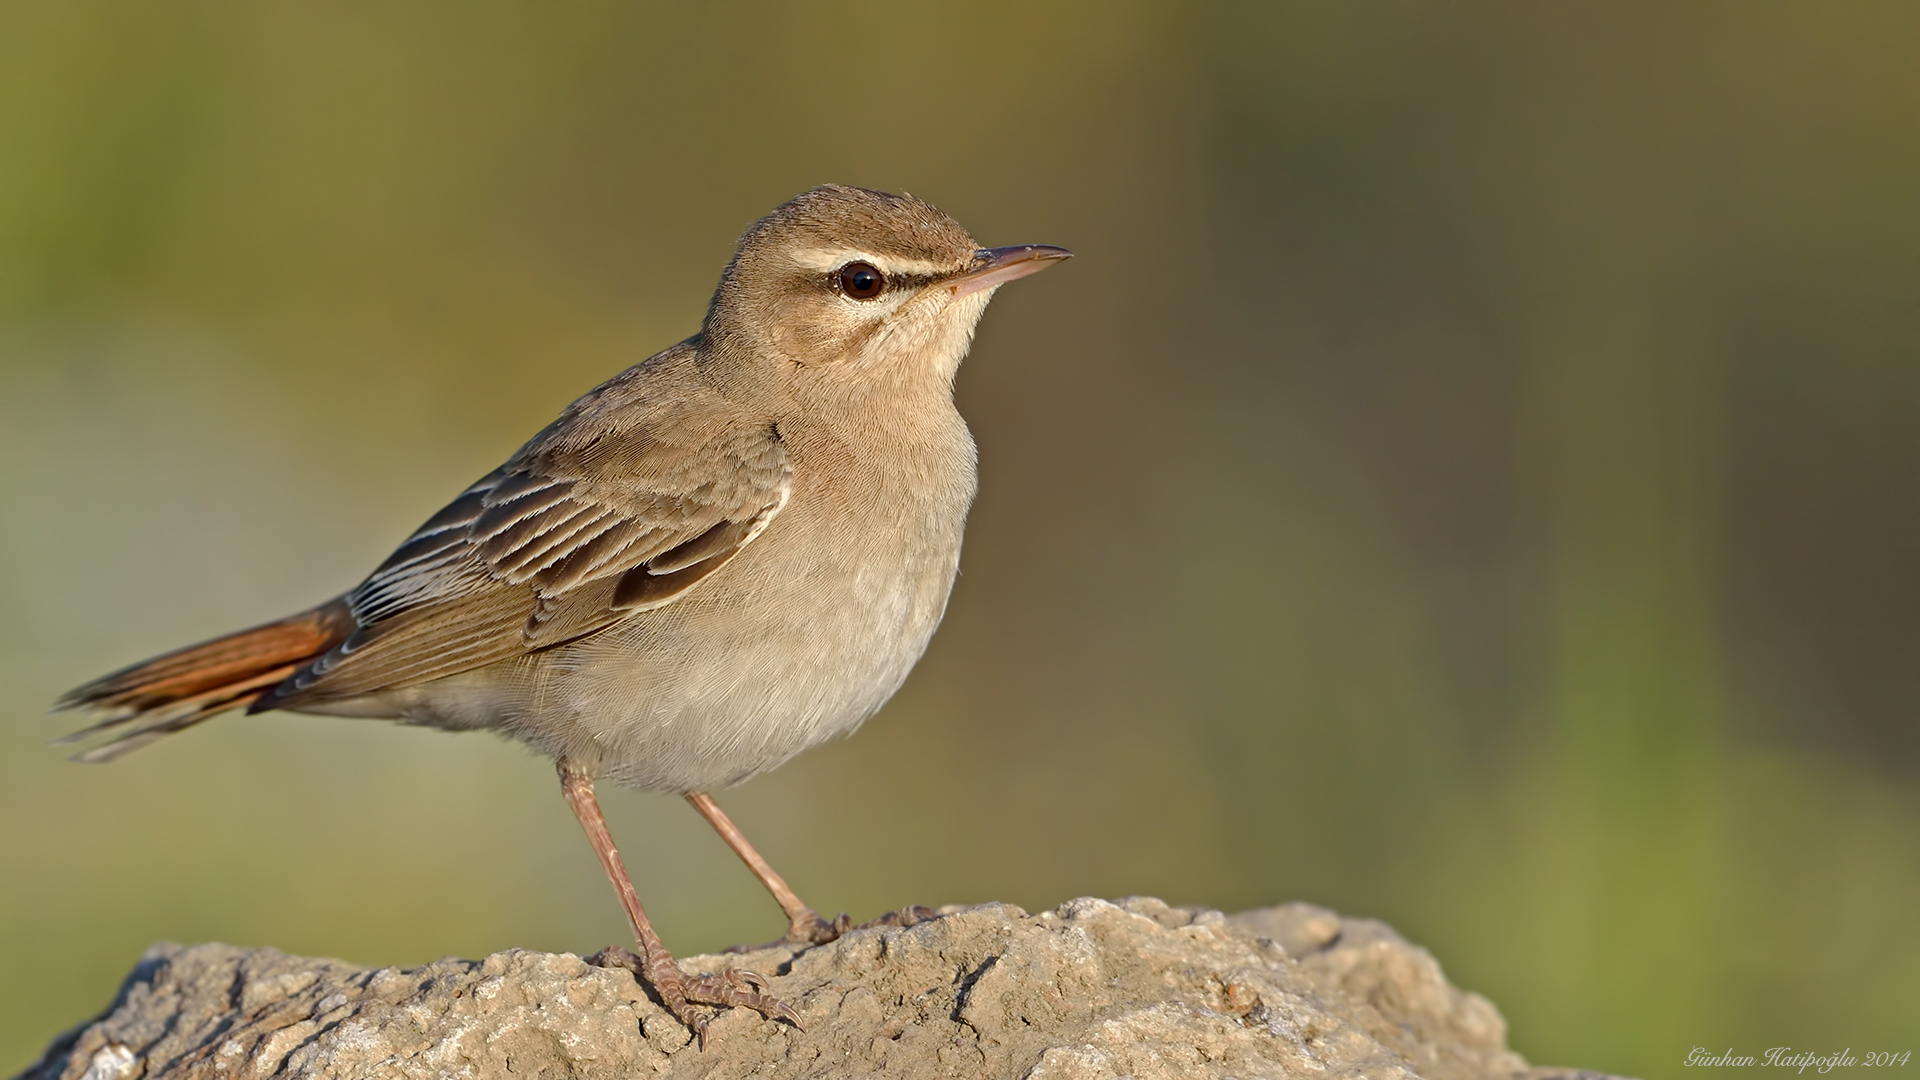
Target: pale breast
{"x": 800, "y": 638}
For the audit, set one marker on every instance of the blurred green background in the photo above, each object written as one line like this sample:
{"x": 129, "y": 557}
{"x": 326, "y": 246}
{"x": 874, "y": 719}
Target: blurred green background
{"x": 1468, "y": 478}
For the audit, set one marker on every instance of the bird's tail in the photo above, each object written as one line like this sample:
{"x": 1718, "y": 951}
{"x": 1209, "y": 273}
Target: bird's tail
{"x": 170, "y": 693}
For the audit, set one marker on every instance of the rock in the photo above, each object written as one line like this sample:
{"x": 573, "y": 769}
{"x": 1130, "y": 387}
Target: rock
{"x": 1090, "y": 991}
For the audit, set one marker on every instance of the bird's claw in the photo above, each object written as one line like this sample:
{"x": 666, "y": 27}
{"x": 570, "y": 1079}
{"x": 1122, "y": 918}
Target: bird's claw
{"x": 734, "y": 988}
{"x": 911, "y": 915}
{"x": 678, "y": 992}
{"x": 613, "y": 956}
{"x": 805, "y": 931}
{"x": 819, "y": 931}
{"x": 810, "y": 929}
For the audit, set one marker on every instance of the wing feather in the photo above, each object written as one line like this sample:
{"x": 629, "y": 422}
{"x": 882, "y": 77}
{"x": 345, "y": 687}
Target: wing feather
{"x": 582, "y": 528}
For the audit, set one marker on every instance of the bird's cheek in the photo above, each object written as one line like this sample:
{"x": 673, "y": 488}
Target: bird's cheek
{"x": 792, "y": 341}
{"x": 798, "y": 330}
{"x": 819, "y": 344}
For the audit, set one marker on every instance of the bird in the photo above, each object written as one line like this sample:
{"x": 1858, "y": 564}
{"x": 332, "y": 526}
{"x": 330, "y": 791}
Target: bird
{"x": 730, "y": 552}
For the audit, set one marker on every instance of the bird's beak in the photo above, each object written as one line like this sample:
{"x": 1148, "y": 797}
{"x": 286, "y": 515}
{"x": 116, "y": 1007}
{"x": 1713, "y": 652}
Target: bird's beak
{"x": 993, "y": 267}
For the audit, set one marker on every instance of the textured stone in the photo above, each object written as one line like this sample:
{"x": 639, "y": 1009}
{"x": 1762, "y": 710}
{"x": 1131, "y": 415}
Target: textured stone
{"x": 1090, "y": 991}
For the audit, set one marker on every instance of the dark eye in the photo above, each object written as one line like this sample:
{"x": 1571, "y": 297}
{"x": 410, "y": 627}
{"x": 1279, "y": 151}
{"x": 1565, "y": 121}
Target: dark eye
{"x": 862, "y": 281}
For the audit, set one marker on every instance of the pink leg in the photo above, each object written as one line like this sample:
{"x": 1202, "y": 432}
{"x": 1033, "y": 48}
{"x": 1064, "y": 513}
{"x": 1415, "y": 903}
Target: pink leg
{"x": 653, "y": 964}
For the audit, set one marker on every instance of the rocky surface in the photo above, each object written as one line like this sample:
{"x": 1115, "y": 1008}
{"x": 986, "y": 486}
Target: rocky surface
{"x": 1090, "y": 991}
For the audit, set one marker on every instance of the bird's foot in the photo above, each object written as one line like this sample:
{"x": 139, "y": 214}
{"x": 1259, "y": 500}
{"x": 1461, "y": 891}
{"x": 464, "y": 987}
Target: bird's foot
{"x": 680, "y": 992}
{"x": 911, "y": 915}
{"x": 806, "y": 930}
{"x": 809, "y": 929}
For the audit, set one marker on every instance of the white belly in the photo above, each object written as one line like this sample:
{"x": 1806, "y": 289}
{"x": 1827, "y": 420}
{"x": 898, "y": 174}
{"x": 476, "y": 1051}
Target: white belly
{"x": 748, "y": 669}
{"x": 802, "y": 636}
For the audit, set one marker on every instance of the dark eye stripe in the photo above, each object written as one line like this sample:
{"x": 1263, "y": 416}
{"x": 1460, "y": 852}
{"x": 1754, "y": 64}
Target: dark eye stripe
{"x": 895, "y": 282}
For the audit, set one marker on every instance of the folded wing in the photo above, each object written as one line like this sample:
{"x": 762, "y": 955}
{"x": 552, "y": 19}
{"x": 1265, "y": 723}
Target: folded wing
{"x": 562, "y": 541}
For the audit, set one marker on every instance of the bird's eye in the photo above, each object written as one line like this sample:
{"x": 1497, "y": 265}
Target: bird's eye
{"x": 862, "y": 281}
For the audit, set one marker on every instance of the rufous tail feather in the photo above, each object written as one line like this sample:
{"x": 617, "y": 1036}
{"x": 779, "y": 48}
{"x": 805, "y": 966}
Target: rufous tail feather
{"x": 170, "y": 693}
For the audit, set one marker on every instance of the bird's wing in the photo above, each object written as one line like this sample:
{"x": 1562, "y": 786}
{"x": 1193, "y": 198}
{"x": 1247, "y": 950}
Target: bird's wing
{"x": 587, "y": 525}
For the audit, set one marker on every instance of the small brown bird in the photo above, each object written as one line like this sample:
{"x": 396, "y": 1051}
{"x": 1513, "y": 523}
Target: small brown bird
{"x": 728, "y": 553}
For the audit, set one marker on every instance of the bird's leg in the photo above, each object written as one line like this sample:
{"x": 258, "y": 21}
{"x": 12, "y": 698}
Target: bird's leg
{"x": 804, "y": 925}
{"x": 653, "y": 965}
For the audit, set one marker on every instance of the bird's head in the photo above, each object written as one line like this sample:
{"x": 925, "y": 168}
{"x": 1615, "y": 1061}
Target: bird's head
{"x": 846, "y": 285}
